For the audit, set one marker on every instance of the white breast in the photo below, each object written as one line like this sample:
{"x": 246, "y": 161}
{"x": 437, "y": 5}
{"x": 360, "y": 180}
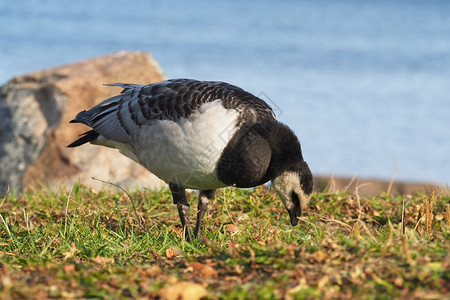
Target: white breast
{"x": 187, "y": 151}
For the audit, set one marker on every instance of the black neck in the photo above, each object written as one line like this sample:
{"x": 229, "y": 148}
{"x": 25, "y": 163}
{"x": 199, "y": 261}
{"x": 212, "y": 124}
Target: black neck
{"x": 286, "y": 150}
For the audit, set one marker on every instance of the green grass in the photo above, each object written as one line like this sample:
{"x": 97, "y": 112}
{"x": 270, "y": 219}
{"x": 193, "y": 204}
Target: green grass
{"x": 87, "y": 244}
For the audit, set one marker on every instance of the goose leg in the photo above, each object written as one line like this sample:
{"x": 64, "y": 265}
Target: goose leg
{"x": 203, "y": 201}
{"x": 179, "y": 198}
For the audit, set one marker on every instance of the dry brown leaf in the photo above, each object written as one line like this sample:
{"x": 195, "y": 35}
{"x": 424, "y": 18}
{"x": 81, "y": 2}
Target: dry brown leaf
{"x": 233, "y": 248}
{"x": 7, "y": 283}
{"x": 322, "y": 282}
{"x": 208, "y": 271}
{"x": 72, "y": 251}
{"x": 301, "y": 285}
{"x": 204, "y": 269}
{"x": 170, "y": 253}
{"x": 238, "y": 269}
{"x": 398, "y": 282}
{"x": 183, "y": 290}
{"x": 231, "y": 229}
{"x": 103, "y": 260}
{"x": 319, "y": 256}
{"x": 196, "y": 265}
{"x": 177, "y": 230}
{"x": 177, "y": 250}
{"x": 69, "y": 268}
{"x": 124, "y": 198}
{"x": 357, "y": 276}
{"x": 153, "y": 271}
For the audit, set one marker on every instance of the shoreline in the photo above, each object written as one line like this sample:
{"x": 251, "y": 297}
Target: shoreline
{"x": 374, "y": 187}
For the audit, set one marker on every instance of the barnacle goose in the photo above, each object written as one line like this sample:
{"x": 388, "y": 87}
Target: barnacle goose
{"x": 201, "y": 135}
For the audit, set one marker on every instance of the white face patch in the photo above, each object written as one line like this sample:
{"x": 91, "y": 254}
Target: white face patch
{"x": 287, "y": 183}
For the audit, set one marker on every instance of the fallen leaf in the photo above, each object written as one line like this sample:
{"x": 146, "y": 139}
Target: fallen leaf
{"x": 209, "y": 271}
{"x": 153, "y": 271}
{"x": 103, "y": 260}
{"x": 398, "y": 282}
{"x": 183, "y": 290}
{"x": 69, "y": 268}
{"x": 238, "y": 269}
{"x": 124, "y": 198}
{"x": 301, "y": 285}
{"x": 205, "y": 270}
{"x": 233, "y": 248}
{"x": 72, "y": 251}
{"x": 319, "y": 256}
{"x": 54, "y": 291}
{"x": 322, "y": 282}
{"x": 231, "y": 229}
{"x": 177, "y": 250}
{"x": 196, "y": 265}
{"x": 177, "y": 230}
{"x": 171, "y": 253}
{"x": 7, "y": 283}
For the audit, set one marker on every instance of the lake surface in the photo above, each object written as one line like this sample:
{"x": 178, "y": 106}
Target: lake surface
{"x": 364, "y": 84}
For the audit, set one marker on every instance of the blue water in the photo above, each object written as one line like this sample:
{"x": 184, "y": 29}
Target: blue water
{"x": 364, "y": 84}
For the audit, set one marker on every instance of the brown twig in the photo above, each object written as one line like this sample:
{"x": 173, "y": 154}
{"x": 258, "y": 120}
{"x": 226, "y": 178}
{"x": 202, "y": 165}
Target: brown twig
{"x": 369, "y": 233}
{"x": 129, "y": 197}
{"x": 419, "y": 219}
{"x": 356, "y": 231}
{"x": 405, "y": 246}
{"x": 447, "y": 214}
{"x": 403, "y": 217}
{"x": 349, "y": 184}
{"x": 5, "y": 196}
{"x": 391, "y": 233}
{"x": 429, "y": 212}
{"x": 391, "y": 183}
{"x": 326, "y": 219}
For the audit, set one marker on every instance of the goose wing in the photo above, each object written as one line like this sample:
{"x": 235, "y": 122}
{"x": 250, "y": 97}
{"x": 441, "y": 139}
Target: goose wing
{"x": 117, "y": 118}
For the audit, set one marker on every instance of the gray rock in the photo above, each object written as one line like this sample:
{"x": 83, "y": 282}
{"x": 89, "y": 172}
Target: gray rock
{"x": 34, "y": 113}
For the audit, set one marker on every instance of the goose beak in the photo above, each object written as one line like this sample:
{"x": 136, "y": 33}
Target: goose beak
{"x": 294, "y": 213}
